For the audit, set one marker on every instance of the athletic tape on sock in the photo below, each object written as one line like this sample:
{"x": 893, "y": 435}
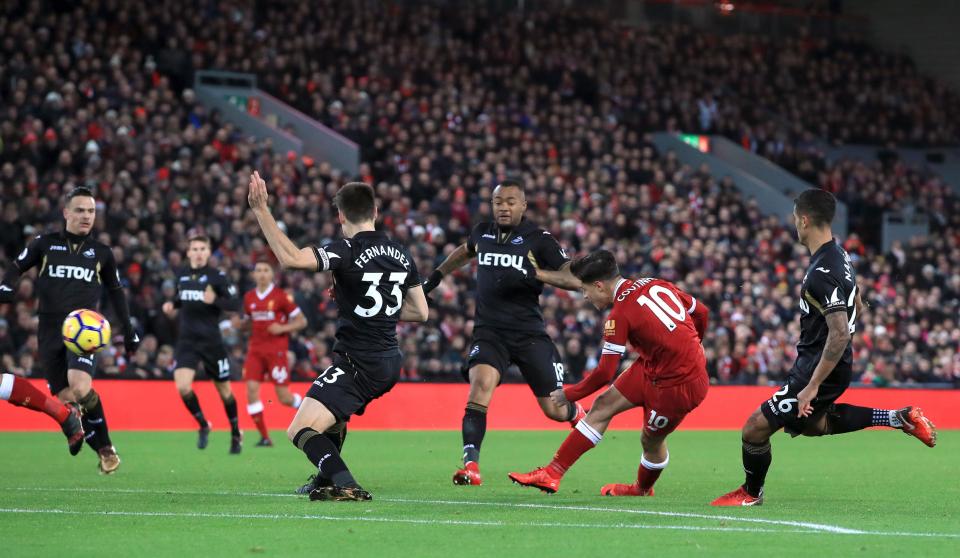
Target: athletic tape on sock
{"x": 254, "y": 408}
{"x": 589, "y": 432}
{"x": 6, "y": 386}
{"x": 89, "y": 401}
{"x": 303, "y": 437}
{"x": 654, "y": 466}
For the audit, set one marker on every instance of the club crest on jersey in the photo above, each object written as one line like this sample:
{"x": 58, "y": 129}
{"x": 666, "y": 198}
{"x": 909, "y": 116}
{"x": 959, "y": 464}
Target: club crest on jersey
{"x": 89, "y": 253}
{"x": 203, "y": 278}
{"x": 517, "y": 241}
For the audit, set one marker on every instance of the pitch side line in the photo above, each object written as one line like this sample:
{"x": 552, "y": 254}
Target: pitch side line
{"x": 812, "y": 527}
{"x": 455, "y": 522}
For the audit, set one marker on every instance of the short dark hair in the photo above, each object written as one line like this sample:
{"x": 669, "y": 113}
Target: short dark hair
{"x": 80, "y": 191}
{"x": 199, "y": 238}
{"x": 819, "y": 205}
{"x": 513, "y": 183}
{"x": 596, "y": 266}
{"x": 356, "y": 201}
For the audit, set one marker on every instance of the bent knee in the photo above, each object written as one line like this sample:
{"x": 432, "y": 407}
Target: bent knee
{"x": 757, "y": 428}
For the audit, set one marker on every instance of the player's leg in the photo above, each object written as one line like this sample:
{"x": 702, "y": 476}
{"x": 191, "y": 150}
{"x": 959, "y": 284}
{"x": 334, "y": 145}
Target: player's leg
{"x": 757, "y": 457}
{"x": 487, "y": 359}
{"x": 216, "y": 364}
{"x": 253, "y": 372}
{"x": 665, "y": 409}
{"x": 842, "y": 418}
{"x": 94, "y": 419}
{"x": 582, "y": 439}
{"x": 183, "y": 377}
{"x": 542, "y": 368}
{"x": 230, "y": 407}
{"x": 287, "y": 397}
{"x": 19, "y": 391}
{"x": 332, "y": 398}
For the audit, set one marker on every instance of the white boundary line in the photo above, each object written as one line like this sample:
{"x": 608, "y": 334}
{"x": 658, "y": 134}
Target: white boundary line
{"x": 455, "y": 522}
{"x": 801, "y": 525}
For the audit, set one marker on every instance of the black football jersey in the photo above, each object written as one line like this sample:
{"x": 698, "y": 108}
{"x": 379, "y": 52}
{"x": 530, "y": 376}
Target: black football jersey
{"x": 72, "y": 271}
{"x": 371, "y": 274}
{"x": 507, "y": 297}
{"x": 199, "y": 321}
{"x": 830, "y": 285}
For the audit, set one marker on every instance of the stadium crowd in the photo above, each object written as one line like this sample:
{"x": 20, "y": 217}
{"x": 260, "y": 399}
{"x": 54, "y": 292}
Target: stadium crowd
{"x": 442, "y": 110}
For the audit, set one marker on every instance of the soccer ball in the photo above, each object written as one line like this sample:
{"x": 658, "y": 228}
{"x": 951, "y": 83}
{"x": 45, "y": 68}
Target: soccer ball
{"x": 86, "y": 332}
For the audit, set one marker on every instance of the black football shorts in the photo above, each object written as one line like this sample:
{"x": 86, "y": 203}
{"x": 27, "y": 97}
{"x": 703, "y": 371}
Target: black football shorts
{"x": 213, "y": 356}
{"x": 352, "y": 381}
{"x": 534, "y": 354}
{"x": 781, "y": 408}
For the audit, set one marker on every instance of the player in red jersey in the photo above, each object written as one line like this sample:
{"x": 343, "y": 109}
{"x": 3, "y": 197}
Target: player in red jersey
{"x": 20, "y": 392}
{"x": 669, "y": 378}
{"x": 273, "y": 316}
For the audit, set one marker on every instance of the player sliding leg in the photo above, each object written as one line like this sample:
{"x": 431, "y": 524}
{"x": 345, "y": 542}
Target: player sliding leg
{"x": 19, "y": 391}
{"x": 311, "y": 420}
{"x": 806, "y": 404}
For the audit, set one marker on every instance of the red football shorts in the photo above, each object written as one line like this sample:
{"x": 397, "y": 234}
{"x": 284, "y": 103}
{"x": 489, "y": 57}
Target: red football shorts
{"x": 266, "y": 366}
{"x": 664, "y": 406}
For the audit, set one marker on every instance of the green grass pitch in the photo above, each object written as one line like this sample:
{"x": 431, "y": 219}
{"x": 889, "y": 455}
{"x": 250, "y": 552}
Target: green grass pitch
{"x": 865, "y": 494}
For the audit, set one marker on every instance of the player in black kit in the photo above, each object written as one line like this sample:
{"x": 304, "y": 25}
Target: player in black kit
{"x": 203, "y": 294}
{"x": 73, "y": 271}
{"x": 376, "y": 284}
{"x": 509, "y": 323}
{"x": 806, "y": 404}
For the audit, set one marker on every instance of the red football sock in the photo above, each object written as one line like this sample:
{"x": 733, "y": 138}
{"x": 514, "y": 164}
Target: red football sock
{"x": 648, "y": 473}
{"x": 578, "y": 442}
{"x": 256, "y": 413}
{"x": 24, "y": 394}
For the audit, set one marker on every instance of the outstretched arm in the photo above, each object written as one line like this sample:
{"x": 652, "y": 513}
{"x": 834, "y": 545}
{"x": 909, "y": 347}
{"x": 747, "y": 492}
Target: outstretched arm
{"x": 561, "y": 278}
{"x": 460, "y": 256}
{"x": 288, "y": 254}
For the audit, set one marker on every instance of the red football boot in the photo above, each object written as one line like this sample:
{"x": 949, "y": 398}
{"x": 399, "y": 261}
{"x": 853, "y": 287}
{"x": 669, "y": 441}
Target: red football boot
{"x": 469, "y": 475}
{"x": 739, "y": 497}
{"x": 917, "y": 425}
{"x": 618, "y": 489}
{"x": 538, "y": 478}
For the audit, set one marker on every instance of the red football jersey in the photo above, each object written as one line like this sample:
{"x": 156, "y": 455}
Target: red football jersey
{"x": 272, "y": 306}
{"x": 657, "y": 319}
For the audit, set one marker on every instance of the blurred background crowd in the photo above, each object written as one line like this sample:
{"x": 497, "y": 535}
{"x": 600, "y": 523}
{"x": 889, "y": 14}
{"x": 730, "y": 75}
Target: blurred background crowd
{"x": 444, "y": 105}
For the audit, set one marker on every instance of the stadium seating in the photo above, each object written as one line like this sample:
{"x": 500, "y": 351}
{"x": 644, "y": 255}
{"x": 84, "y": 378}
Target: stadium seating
{"x": 443, "y": 108}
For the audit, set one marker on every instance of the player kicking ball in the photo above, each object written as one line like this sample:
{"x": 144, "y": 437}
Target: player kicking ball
{"x": 273, "y": 317}
{"x": 668, "y": 379}
{"x": 806, "y": 404}
{"x": 376, "y": 285}
{"x": 20, "y": 392}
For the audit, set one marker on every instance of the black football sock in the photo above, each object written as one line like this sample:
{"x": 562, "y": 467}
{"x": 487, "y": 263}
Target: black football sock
{"x": 230, "y": 406}
{"x": 756, "y": 462}
{"x": 337, "y": 434}
{"x": 94, "y": 422}
{"x": 323, "y": 454}
{"x": 474, "y": 429}
{"x": 843, "y": 418}
{"x": 193, "y": 405}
